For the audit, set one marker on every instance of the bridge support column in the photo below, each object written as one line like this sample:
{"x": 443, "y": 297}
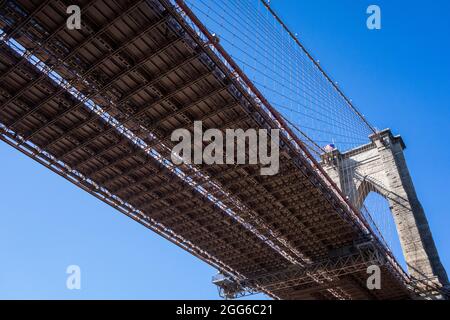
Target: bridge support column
{"x": 381, "y": 167}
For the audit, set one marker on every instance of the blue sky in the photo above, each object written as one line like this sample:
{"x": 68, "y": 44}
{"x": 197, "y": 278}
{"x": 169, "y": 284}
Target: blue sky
{"x": 398, "y": 77}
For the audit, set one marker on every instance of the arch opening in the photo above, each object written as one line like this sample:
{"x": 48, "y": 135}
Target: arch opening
{"x": 377, "y": 211}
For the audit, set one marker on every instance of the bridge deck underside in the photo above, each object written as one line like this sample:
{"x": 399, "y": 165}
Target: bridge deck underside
{"x": 138, "y": 61}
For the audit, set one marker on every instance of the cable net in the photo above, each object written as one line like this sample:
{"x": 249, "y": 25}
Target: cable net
{"x": 284, "y": 72}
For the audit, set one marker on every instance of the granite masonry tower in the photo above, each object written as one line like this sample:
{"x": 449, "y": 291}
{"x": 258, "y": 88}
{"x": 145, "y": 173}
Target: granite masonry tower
{"x": 380, "y": 167}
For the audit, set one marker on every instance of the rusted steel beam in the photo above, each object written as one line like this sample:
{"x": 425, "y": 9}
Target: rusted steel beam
{"x": 63, "y": 90}
{"x": 52, "y": 35}
{"x": 138, "y": 113}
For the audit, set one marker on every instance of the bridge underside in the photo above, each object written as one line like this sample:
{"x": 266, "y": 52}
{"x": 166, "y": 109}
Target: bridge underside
{"x": 135, "y": 72}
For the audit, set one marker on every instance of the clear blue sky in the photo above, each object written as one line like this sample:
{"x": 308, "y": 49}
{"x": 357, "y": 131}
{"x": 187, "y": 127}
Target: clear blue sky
{"x": 398, "y": 77}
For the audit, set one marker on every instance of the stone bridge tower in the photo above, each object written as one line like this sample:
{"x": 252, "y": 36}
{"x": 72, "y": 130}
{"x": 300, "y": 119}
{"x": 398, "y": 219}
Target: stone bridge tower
{"x": 380, "y": 167}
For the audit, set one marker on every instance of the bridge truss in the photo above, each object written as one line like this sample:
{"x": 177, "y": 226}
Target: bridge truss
{"x": 98, "y": 106}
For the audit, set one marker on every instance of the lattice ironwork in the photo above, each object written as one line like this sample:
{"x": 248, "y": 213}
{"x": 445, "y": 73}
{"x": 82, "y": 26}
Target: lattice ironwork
{"x": 98, "y": 105}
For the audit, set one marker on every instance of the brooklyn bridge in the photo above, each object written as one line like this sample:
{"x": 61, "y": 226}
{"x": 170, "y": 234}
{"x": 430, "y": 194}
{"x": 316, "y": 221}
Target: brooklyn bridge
{"x": 97, "y": 105}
